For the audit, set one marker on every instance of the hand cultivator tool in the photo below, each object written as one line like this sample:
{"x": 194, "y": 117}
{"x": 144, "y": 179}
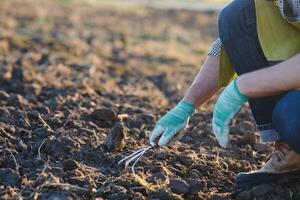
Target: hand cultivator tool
{"x": 137, "y": 155}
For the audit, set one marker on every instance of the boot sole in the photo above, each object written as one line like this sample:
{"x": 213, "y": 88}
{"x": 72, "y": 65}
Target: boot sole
{"x": 252, "y": 179}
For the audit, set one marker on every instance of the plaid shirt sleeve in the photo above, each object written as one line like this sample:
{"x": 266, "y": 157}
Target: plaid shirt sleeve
{"x": 215, "y": 49}
{"x": 290, "y": 9}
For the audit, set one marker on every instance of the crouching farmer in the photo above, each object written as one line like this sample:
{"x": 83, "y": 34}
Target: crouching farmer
{"x": 257, "y": 58}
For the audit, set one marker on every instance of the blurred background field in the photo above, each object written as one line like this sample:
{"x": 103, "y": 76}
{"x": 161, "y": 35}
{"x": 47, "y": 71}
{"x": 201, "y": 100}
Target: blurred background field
{"x": 168, "y": 4}
{"x": 142, "y": 38}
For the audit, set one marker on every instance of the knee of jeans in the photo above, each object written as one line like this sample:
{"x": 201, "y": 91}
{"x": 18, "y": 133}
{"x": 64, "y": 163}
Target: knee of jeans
{"x": 286, "y": 119}
{"x": 224, "y": 21}
{"x": 234, "y": 18}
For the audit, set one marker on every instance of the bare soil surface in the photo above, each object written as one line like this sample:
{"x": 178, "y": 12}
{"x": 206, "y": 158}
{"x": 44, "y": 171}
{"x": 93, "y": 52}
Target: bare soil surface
{"x": 82, "y": 86}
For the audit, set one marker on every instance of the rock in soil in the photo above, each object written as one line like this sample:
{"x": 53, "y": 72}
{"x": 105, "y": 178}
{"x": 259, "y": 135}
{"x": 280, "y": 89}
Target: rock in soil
{"x": 218, "y": 197}
{"x": 115, "y": 139}
{"x": 17, "y": 74}
{"x": 4, "y": 96}
{"x": 179, "y": 186}
{"x": 195, "y": 185}
{"x": 104, "y": 114}
{"x": 118, "y": 193}
{"x": 69, "y": 165}
{"x": 187, "y": 158}
{"x": 9, "y": 177}
{"x": 55, "y": 148}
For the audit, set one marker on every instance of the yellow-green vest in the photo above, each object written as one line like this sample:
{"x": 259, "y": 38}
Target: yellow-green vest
{"x": 279, "y": 38}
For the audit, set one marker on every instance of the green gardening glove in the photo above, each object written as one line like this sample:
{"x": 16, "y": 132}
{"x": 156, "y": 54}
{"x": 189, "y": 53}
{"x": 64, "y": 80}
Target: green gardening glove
{"x": 171, "y": 124}
{"x": 228, "y": 104}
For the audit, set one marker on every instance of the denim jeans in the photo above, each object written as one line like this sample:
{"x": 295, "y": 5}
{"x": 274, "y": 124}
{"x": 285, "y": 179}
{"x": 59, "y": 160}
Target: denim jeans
{"x": 238, "y": 33}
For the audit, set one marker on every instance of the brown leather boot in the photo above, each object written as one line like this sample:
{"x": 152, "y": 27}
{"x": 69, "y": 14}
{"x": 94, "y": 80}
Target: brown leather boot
{"x": 282, "y": 163}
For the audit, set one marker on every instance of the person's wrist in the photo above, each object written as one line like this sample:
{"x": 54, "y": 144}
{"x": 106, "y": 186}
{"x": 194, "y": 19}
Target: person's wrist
{"x": 190, "y": 99}
{"x": 241, "y": 85}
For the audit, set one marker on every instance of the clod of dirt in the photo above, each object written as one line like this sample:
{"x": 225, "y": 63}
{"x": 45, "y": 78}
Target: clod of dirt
{"x": 3, "y": 96}
{"x": 245, "y": 195}
{"x": 156, "y": 168}
{"x": 146, "y": 118}
{"x": 141, "y": 190}
{"x": 55, "y": 148}
{"x": 32, "y": 91}
{"x": 195, "y": 185}
{"x": 218, "y": 197}
{"x": 194, "y": 173}
{"x": 164, "y": 194}
{"x": 118, "y": 193}
{"x": 247, "y": 138}
{"x": 179, "y": 186}
{"x": 246, "y": 127}
{"x": 69, "y": 165}
{"x": 17, "y": 74}
{"x": 187, "y": 158}
{"x": 56, "y": 196}
{"x": 104, "y": 114}
{"x": 9, "y": 177}
{"x": 162, "y": 155}
{"x": 261, "y": 190}
{"x": 17, "y": 100}
{"x": 138, "y": 196}
{"x": 115, "y": 139}
{"x": 122, "y": 181}
{"x": 4, "y": 112}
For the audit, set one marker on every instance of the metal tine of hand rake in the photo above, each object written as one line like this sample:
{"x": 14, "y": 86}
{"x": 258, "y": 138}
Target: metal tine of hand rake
{"x": 134, "y": 157}
{"x": 140, "y": 156}
{"x": 131, "y": 155}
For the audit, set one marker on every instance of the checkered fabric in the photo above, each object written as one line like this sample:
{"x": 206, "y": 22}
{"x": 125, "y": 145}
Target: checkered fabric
{"x": 290, "y": 10}
{"x": 215, "y": 49}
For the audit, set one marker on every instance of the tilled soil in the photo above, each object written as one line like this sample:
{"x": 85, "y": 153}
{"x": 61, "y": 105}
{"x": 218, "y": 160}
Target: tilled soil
{"x": 81, "y": 86}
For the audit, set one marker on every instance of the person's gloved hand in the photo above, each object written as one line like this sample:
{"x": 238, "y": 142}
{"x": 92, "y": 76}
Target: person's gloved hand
{"x": 169, "y": 126}
{"x": 228, "y": 104}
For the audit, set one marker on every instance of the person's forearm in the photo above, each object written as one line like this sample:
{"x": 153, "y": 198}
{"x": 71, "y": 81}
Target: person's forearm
{"x": 272, "y": 80}
{"x": 206, "y": 82}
